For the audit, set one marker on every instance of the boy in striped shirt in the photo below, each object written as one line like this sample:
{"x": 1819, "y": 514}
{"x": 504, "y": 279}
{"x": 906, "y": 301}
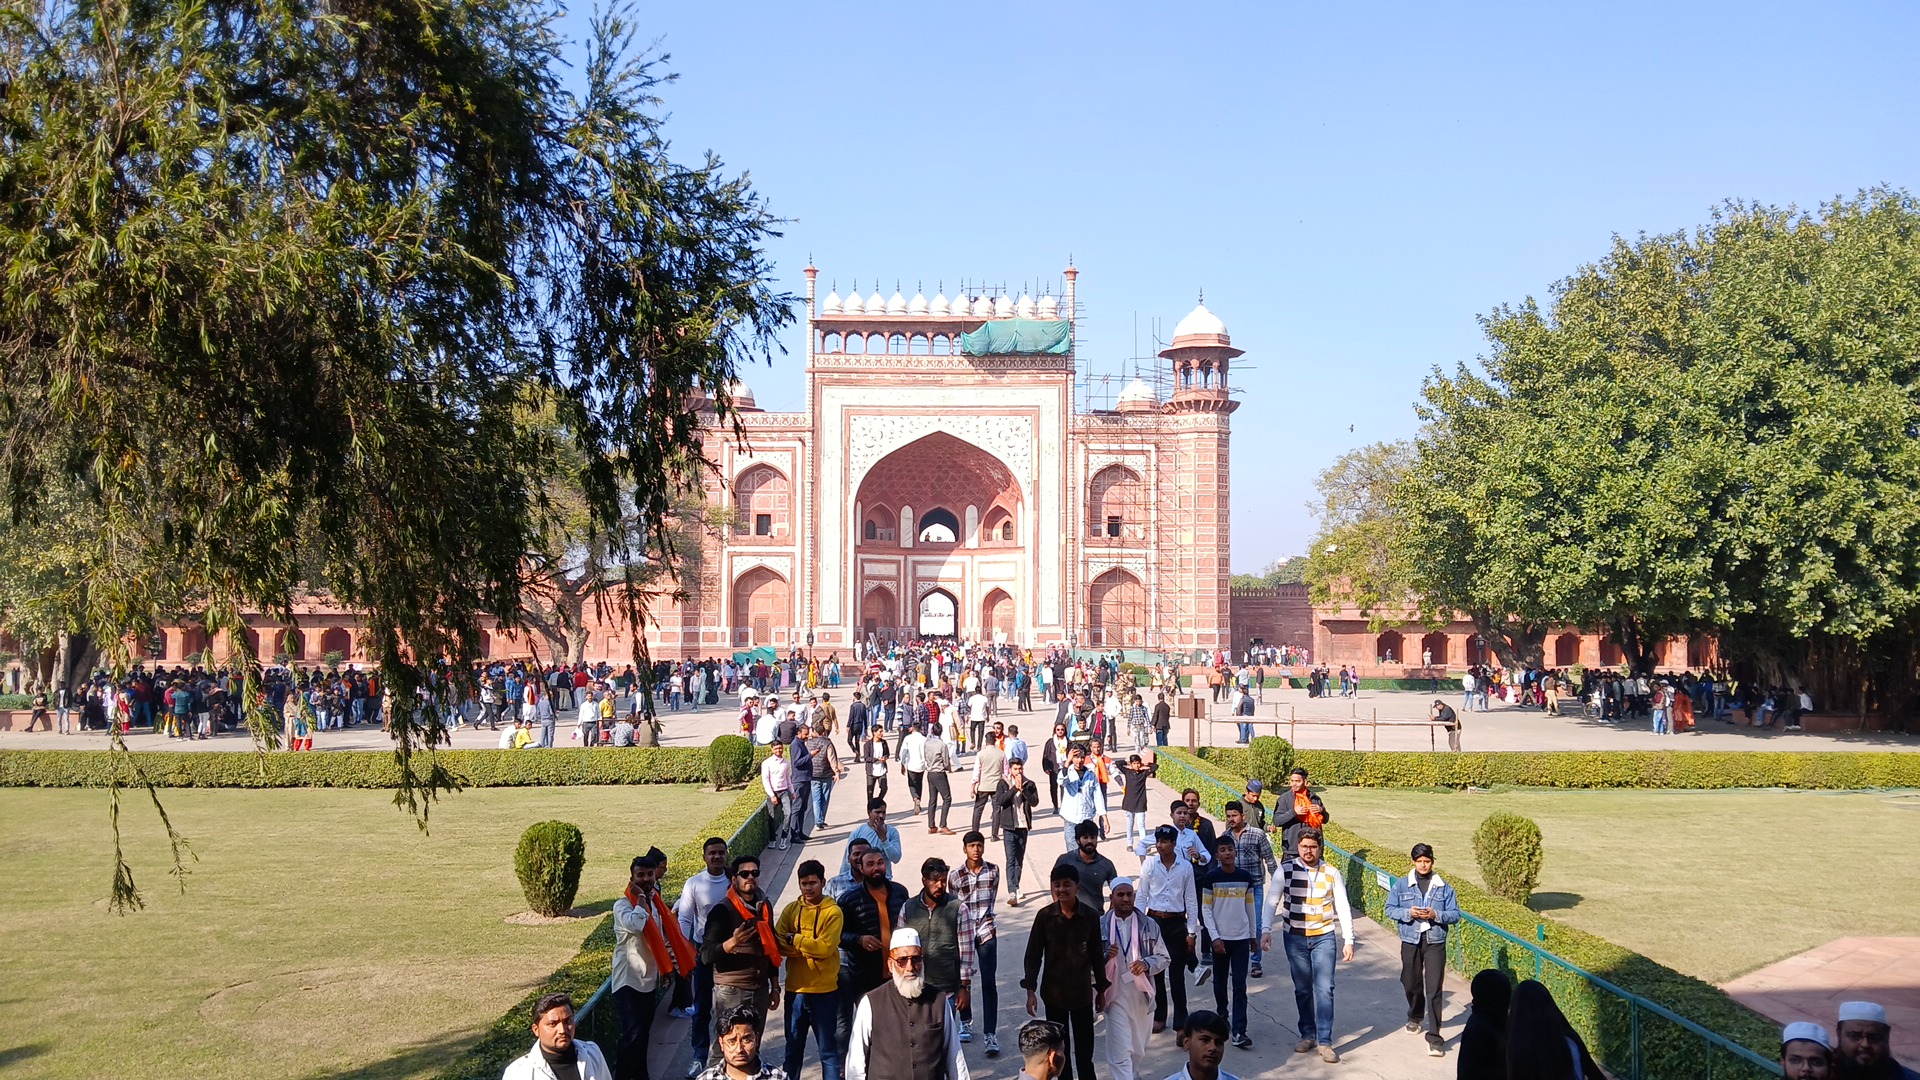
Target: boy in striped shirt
{"x": 1313, "y": 907}
{"x": 1235, "y": 921}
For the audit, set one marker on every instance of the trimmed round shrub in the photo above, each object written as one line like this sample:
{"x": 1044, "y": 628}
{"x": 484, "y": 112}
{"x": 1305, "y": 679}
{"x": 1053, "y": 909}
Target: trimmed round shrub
{"x": 731, "y": 757}
{"x": 1270, "y": 759}
{"x": 548, "y": 862}
{"x": 1509, "y": 851}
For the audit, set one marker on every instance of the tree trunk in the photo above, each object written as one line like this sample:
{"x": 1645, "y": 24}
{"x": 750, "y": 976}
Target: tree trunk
{"x": 1517, "y": 645}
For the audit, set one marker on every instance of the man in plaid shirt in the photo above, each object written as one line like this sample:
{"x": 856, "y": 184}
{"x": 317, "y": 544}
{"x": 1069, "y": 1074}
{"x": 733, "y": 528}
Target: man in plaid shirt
{"x": 977, "y": 884}
{"x": 1254, "y": 854}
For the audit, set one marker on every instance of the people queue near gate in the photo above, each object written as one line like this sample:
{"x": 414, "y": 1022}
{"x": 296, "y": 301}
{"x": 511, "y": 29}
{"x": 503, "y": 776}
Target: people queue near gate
{"x": 888, "y": 971}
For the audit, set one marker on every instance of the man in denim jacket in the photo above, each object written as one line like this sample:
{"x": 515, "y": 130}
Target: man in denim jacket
{"x": 1424, "y": 906}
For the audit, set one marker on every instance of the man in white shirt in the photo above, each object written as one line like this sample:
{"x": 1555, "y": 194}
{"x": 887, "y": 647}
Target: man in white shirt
{"x": 647, "y": 945}
{"x": 554, "y": 1045}
{"x": 1172, "y": 902}
{"x": 977, "y": 719}
{"x": 913, "y": 762}
{"x": 877, "y": 833}
{"x": 1135, "y": 957}
{"x": 776, "y": 777}
{"x": 697, "y": 899}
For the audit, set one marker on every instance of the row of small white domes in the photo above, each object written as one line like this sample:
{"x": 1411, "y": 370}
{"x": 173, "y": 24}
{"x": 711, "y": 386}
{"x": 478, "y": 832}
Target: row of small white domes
{"x": 980, "y": 307}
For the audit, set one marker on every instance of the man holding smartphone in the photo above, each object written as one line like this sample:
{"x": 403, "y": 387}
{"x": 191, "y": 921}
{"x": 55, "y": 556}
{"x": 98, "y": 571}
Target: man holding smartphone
{"x": 741, "y": 946}
{"x": 1424, "y": 906}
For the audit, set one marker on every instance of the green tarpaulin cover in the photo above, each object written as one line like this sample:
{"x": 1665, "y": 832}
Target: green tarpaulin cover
{"x": 764, "y": 653}
{"x": 1002, "y": 336}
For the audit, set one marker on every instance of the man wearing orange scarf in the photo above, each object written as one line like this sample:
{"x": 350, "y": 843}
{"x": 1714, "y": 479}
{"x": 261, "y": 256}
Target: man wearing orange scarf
{"x": 648, "y": 947}
{"x": 741, "y": 946}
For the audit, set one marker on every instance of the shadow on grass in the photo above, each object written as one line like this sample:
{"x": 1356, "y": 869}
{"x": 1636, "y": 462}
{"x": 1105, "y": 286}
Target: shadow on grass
{"x": 426, "y": 1058}
{"x": 14, "y": 1055}
{"x": 1554, "y": 901}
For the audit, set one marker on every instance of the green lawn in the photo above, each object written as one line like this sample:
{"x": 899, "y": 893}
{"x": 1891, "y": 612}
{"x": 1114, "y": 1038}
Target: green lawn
{"x": 1711, "y": 883}
{"x": 321, "y": 933}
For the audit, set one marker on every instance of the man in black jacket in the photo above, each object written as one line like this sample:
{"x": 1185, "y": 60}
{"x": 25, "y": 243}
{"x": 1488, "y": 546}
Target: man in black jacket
{"x": 1013, "y": 807}
{"x": 1065, "y": 968}
{"x": 870, "y": 912}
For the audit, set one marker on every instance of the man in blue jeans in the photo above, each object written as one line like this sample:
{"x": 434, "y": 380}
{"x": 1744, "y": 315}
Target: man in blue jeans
{"x": 1237, "y": 925}
{"x": 1253, "y": 853}
{"x": 1313, "y": 907}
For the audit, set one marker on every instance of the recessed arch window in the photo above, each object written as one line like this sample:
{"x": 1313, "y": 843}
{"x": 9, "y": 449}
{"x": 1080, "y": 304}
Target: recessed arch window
{"x": 938, "y": 526}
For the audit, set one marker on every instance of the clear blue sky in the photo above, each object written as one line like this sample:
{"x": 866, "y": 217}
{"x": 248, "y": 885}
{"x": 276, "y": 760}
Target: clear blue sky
{"x": 1352, "y": 185}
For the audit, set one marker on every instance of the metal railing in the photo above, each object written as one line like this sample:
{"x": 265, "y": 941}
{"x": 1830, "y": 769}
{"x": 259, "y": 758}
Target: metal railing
{"x": 1632, "y": 1036}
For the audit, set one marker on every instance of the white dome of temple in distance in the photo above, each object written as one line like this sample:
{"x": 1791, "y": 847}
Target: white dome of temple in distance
{"x": 1024, "y": 308}
{"x": 1137, "y": 397}
{"x": 1201, "y": 323}
{"x": 877, "y": 304}
{"x": 982, "y": 307}
{"x": 940, "y": 309}
{"x": 1049, "y": 307}
{"x": 897, "y": 305}
{"x": 1003, "y": 307}
{"x": 917, "y": 305}
{"x": 742, "y": 396}
{"x": 831, "y": 305}
{"x": 854, "y": 305}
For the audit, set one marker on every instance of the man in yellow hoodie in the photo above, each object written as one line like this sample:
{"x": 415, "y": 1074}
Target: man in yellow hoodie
{"x": 809, "y": 932}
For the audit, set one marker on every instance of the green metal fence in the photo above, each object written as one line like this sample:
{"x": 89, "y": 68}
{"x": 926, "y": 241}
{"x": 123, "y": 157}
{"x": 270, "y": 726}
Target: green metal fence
{"x": 1632, "y": 1036}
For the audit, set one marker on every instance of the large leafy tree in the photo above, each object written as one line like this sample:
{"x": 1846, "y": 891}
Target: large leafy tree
{"x": 1711, "y": 433}
{"x": 283, "y": 277}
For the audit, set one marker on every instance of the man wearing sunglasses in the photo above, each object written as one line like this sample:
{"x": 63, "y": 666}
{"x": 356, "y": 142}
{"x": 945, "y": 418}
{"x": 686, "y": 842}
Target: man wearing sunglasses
{"x": 906, "y": 1027}
{"x": 742, "y": 946}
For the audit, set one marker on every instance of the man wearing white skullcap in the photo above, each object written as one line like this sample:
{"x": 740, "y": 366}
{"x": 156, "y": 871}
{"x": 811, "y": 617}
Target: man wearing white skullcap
{"x": 905, "y": 1027}
{"x": 1805, "y": 1052}
{"x": 1134, "y": 955}
{"x": 1865, "y": 1051}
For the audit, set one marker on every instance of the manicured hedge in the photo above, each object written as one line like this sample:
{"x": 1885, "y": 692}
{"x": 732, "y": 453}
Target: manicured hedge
{"x": 1688, "y": 769}
{"x": 745, "y": 824}
{"x": 560, "y": 766}
{"x": 16, "y": 701}
{"x": 1602, "y": 1018}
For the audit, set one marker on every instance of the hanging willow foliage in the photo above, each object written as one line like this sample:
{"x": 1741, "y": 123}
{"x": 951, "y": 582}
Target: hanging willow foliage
{"x": 282, "y": 278}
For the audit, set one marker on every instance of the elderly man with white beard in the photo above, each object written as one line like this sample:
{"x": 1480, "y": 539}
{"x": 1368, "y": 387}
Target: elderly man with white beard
{"x": 1135, "y": 954}
{"x": 905, "y": 1027}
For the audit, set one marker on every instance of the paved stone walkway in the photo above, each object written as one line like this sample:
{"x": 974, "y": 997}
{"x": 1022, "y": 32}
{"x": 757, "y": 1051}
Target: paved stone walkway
{"x": 1370, "y": 1008}
{"x": 1812, "y": 985}
{"x": 1504, "y": 728}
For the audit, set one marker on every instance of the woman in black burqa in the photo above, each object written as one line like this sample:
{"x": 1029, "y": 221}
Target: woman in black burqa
{"x": 1541, "y": 1045}
{"x": 1483, "y": 1044}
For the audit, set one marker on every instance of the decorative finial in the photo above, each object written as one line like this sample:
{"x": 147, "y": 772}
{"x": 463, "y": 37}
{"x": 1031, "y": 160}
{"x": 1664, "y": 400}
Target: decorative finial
{"x": 1203, "y": 296}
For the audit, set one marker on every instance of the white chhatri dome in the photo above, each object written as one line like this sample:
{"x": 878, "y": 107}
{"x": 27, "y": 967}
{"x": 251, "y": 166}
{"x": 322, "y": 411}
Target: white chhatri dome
{"x": 742, "y": 395}
{"x": 1137, "y": 395}
{"x": 897, "y": 305}
{"x": 854, "y": 305}
{"x": 1049, "y": 307}
{"x": 917, "y": 305}
{"x": 877, "y": 304}
{"x": 982, "y": 308}
{"x": 831, "y": 305}
{"x": 1025, "y": 307}
{"x": 940, "y": 309}
{"x": 1201, "y": 322}
{"x": 1003, "y": 307}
